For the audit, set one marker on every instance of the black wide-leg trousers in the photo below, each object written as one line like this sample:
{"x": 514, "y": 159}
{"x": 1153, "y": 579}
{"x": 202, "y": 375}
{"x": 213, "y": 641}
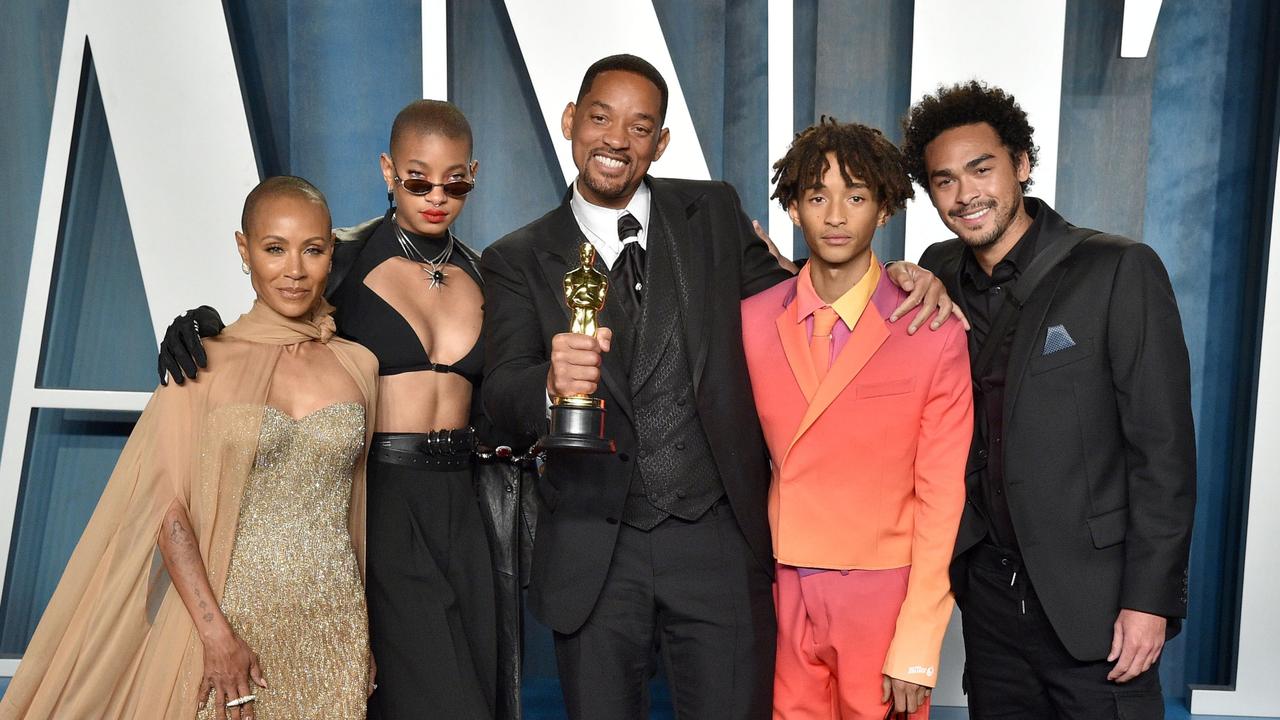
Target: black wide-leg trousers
{"x": 1016, "y": 668}
{"x": 695, "y": 591}
{"x": 430, "y": 587}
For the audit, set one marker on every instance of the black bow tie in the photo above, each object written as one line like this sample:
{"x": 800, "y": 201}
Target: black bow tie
{"x": 628, "y": 270}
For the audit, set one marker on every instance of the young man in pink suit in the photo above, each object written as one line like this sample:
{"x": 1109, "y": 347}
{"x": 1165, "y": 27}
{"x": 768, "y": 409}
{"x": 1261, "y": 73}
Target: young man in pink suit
{"x": 868, "y": 428}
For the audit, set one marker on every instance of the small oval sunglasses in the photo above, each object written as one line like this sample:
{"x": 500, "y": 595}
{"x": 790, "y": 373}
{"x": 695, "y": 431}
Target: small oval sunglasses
{"x": 421, "y": 186}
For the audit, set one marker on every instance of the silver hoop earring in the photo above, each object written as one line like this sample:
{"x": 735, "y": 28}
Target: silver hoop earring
{"x": 244, "y": 267}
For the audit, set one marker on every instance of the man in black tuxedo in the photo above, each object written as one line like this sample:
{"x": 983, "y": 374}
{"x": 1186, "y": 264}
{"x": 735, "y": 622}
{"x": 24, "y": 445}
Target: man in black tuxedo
{"x": 1070, "y": 567}
{"x": 665, "y": 542}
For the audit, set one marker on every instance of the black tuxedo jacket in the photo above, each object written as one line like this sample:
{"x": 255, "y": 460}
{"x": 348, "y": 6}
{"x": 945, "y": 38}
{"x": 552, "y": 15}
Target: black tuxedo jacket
{"x": 1099, "y": 446}
{"x": 583, "y": 494}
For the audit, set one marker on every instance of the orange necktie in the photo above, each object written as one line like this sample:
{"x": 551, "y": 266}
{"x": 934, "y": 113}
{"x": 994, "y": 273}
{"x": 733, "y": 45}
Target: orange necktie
{"x": 824, "y": 319}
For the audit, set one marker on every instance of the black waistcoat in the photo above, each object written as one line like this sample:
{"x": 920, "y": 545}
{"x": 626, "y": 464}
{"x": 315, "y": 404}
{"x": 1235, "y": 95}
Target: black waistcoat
{"x": 675, "y": 472}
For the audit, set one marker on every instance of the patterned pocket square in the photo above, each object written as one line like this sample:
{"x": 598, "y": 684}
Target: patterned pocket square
{"x": 1057, "y": 339}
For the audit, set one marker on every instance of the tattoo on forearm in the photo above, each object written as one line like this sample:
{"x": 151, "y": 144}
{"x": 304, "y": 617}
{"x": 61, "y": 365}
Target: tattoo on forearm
{"x": 178, "y": 533}
{"x": 185, "y": 564}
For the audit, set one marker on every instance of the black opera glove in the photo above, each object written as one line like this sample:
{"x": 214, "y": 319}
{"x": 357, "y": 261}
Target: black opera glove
{"x": 180, "y": 350}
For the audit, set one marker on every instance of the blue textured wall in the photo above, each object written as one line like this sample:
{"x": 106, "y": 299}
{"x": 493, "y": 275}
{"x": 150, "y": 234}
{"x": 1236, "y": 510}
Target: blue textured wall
{"x": 519, "y": 177}
{"x": 1208, "y": 176}
{"x": 322, "y": 81}
{"x": 1176, "y": 148}
{"x": 28, "y": 75}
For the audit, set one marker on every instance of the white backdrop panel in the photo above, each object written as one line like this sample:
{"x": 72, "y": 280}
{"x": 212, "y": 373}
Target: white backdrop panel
{"x": 1013, "y": 44}
{"x": 181, "y": 138}
{"x": 557, "y": 51}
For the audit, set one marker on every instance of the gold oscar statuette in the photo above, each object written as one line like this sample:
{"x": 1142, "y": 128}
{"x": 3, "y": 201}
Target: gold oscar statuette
{"x": 577, "y": 421}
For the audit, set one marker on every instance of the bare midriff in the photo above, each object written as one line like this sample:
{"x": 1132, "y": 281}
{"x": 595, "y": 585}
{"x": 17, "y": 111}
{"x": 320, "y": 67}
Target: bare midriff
{"x": 423, "y": 401}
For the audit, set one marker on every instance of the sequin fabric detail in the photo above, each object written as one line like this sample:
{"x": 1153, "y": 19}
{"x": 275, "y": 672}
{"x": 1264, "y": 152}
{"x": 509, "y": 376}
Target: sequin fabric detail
{"x": 293, "y": 590}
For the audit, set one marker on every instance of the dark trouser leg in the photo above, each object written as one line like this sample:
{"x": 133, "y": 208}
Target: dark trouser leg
{"x": 1016, "y": 666}
{"x": 605, "y": 666}
{"x": 1081, "y": 690}
{"x": 718, "y": 630}
{"x": 697, "y": 590}
{"x": 1000, "y": 676}
{"x": 431, "y": 596}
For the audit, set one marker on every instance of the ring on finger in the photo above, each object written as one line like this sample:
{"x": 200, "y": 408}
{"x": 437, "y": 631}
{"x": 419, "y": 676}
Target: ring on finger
{"x": 242, "y": 700}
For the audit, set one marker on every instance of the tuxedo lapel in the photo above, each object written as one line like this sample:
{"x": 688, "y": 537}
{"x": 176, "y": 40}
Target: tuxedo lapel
{"x": 1026, "y": 333}
{"x": 557, "y": 255}
{"x": 795, "y": 344}
{"x": 661, "y": 303}
{"x": 686, "y": 242}
{"x": 1057, "y": 237}
{"x": 554, "y": 266}
{"x": 868, "y": 335}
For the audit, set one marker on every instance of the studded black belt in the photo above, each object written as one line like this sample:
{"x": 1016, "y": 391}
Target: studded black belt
{"x": 438, "y": 450}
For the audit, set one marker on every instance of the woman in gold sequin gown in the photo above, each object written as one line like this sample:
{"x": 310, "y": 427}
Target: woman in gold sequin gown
{"x": 221, "y": 575}
{"x": 293, "y": 591}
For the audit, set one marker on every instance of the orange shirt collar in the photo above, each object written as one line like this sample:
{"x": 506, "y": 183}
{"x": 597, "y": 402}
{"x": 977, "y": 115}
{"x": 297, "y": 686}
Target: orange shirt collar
{"x": 848, "y": 306}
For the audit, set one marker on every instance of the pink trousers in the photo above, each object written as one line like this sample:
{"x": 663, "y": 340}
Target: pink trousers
{"x": 834, "y": 630}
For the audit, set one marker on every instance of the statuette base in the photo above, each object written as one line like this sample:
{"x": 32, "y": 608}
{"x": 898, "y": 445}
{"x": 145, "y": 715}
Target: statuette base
{"x": 577, "y": 425}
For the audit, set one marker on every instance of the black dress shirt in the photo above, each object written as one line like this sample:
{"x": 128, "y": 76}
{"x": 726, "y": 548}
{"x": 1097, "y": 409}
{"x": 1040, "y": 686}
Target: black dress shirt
{"x": 983, "y": 295}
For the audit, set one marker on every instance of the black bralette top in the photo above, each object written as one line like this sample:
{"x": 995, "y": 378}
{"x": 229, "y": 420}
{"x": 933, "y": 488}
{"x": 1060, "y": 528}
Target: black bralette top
{"x": 363, "y": 316}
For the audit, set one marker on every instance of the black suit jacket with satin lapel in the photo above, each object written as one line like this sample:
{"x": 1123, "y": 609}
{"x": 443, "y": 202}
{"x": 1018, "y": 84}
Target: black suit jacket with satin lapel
{"x": 583, "y": 494}
{"x": 1099, "y": 445}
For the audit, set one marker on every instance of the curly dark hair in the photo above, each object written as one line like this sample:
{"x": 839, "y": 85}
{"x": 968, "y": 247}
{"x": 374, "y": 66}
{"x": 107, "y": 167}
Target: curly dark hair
{"x": 965, "y": 104}
{"x": 863, "y": 152}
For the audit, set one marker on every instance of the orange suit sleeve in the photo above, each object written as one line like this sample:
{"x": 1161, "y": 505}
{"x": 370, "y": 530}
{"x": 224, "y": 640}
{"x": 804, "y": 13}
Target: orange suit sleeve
{"x": 946, "y": 429}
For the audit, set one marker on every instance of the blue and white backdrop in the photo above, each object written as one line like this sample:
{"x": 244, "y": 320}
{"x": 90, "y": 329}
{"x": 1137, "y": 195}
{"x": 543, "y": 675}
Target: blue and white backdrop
{"x": 132, "y": 130}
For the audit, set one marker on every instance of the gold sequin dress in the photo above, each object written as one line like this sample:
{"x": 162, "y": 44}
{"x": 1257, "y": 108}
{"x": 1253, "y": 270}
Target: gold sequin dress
{"x": 293, "y": 590}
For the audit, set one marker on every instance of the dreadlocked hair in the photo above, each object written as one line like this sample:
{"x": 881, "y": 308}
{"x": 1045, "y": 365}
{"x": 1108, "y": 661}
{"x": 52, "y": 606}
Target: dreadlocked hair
{"x": 965, "y": 104}
{"x": 862, "y": 152}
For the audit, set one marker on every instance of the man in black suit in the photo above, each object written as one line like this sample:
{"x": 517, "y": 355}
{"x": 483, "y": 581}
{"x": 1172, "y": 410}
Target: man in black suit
{"x": 1071, "y": 560}
{"x": 665, "y": 542}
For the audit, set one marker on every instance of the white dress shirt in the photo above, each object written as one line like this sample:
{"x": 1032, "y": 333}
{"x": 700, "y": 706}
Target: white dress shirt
{"x": 600, "y": 224}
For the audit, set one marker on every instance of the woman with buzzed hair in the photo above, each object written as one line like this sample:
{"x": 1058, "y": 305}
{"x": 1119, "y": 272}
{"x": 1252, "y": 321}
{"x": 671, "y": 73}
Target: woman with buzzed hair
{"x": 220, "y": 574}
{"x": 410, "y": 291}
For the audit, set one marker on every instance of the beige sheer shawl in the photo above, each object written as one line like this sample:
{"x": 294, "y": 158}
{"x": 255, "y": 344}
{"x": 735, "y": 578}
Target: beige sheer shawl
{"x": 116, "y": 640}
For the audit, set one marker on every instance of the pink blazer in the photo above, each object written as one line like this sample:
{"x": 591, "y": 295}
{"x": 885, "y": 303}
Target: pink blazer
{"x": 868, "y": 465}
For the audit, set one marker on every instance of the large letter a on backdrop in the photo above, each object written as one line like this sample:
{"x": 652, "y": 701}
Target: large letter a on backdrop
{"x": 181, "y": 140}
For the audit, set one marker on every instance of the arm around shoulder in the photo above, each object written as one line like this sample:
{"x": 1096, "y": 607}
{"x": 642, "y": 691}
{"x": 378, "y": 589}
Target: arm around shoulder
{"x": 760, "y": 269}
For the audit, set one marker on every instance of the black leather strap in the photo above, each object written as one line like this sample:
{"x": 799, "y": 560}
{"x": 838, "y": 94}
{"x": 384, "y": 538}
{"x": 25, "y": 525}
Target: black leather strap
{"x": 439, "y": 450}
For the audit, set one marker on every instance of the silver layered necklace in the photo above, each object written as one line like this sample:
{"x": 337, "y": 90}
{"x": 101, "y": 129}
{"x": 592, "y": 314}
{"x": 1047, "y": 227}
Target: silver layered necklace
{"x": 434, "y": 267}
